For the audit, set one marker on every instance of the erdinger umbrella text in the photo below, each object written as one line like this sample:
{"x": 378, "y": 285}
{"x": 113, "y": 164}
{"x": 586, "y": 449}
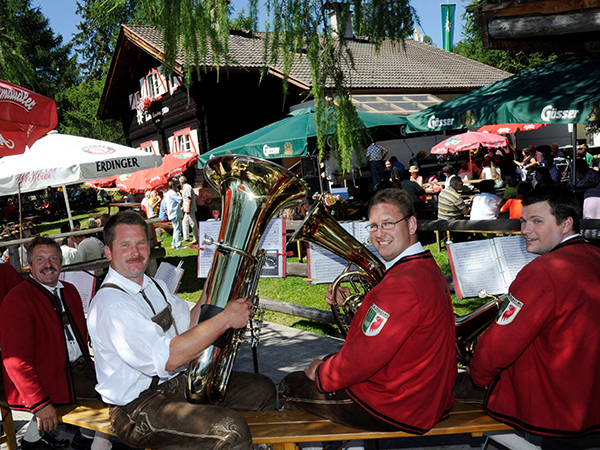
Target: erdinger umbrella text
{"x": 125, "y": 163}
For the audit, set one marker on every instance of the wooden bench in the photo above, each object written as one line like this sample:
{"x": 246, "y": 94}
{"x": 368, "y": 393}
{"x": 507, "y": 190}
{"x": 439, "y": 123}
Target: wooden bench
{"x": 283, "y": 429}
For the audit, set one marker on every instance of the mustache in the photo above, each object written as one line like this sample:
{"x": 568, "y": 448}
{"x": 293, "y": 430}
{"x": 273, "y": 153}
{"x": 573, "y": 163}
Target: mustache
{"x": 136, "y": 259}
{"x": 48, "y": 270}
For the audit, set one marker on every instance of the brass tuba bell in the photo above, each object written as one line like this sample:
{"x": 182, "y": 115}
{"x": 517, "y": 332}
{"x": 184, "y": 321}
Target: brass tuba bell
{"x": 253, "y": 190}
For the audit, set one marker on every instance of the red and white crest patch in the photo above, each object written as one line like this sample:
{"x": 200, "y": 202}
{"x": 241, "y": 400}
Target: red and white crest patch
{"x": 375, "y": 320}
{"x": 509, "y": 310}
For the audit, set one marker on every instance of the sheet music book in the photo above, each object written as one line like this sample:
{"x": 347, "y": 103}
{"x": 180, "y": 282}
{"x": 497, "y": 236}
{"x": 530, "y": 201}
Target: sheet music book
{"x": 171, "y": 275}
{"x": 490, "y": 264}
{"x": 84, "y": 282}
{"x": 273, "y": 242}
{"x": 324, "y": 266}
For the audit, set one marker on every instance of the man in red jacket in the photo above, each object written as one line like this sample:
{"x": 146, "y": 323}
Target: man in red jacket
{"x": 43, "y": 338}
{"x": 539, "y": 361}
{"x": 397, "y": 367}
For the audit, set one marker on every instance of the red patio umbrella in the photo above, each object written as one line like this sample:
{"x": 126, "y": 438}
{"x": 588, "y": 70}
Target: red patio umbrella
{"x": 24, "y": 118}
{"x": 469, "y": 141}
{"x": 157, "y": 178}
{"x": 510, "y": 128}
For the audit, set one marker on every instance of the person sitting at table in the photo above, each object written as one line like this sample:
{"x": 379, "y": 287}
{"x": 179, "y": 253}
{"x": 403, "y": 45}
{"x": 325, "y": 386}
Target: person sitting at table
{"x": 465, "y": 172}
{"x": 76, "y": 227}
{"x": 451, "y": 206}
{"x": 486, "y": 204}
{"x": 449, "y": 173}
{"x": 414, "y": 175}
{"x": 514, "y": 205}
{"x": 489, "y": 171}
{"x": 69, "y": 255}
{"x": 416, "y": 192}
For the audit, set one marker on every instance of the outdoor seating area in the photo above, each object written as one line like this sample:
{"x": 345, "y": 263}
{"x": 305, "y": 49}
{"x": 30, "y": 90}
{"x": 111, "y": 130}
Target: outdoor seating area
{"x": 299, "y": 226}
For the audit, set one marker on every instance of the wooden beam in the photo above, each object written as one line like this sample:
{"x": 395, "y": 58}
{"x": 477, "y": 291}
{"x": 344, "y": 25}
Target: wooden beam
{"x": 296, "y": 310}
{"x": 535, "y": 26}
{"x": 543, "y": 7}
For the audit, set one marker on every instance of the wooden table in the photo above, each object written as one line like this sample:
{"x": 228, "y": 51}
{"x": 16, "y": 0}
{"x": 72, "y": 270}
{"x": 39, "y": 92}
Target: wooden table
{"x": 124, "y": 206}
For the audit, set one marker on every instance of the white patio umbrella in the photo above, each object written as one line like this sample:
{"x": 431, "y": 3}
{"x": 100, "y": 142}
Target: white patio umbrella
{"x": 61, "y": 160}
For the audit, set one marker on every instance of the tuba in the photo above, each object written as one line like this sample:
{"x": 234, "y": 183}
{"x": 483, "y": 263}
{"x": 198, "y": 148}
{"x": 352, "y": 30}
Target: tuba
{"x": 252, "y": 191}
{"x": 319, "y": 227}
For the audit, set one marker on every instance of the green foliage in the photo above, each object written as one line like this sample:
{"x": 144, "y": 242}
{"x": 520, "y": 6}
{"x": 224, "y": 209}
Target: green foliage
{"x": 31, "y": 55}
{"x": 79, "y": 106}
{"x": 471, "y": 46}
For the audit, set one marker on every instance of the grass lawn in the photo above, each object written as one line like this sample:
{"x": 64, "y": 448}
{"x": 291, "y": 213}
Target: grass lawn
{"x": 292, "y": 289}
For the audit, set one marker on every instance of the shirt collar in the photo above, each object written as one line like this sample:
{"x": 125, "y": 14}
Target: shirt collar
{"x": 52, "y": 289}
{"x": 572, "y": 236}
{"x": 412, "y": 250}
{"x": 130, "y": 286}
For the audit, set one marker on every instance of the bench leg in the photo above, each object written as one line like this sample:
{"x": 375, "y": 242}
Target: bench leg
{"x": 9, "y": 428}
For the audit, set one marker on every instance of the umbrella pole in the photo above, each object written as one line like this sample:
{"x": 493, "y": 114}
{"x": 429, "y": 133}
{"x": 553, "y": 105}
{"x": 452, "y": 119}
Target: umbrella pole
{"x": 21, "y": 259}
{"x": 64, "y": 189}
{"x": 574, "y": 144}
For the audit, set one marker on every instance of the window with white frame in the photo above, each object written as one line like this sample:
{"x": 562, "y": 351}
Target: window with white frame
{"x": 153, "y": 84}
{"x": 184, "y": 143}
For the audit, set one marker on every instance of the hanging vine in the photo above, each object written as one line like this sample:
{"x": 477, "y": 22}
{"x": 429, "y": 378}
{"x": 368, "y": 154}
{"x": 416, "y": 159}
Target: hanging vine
{"x": 199, "y": 29}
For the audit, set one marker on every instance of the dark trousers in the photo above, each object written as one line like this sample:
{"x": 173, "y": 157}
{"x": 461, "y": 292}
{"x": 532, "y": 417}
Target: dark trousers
{"x": 163, "y": 418}
{"x": 296, "y": 391}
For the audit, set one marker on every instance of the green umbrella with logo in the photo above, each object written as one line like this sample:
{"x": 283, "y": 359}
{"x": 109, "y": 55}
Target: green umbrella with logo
{"x": 292, "y": 136}
{"x": 563, "y": 91}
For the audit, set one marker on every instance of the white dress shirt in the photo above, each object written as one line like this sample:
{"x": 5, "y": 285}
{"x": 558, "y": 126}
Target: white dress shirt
{"x": 130, "y": 349}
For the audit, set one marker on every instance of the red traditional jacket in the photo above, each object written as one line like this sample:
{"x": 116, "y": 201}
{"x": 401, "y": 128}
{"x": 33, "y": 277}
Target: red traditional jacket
{"x": 9, "y": 278}
{"x": 34, "y": 351}
{"x": 399, "y": 359}
{"x": 540, "y": 359}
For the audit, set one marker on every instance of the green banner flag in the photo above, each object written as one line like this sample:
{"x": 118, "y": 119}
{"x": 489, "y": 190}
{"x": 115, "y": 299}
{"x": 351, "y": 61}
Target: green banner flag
{"x": 448, "y": 26}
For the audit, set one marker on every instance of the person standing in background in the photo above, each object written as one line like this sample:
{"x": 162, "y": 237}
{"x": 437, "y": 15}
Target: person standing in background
{"x": 189, "y": 211}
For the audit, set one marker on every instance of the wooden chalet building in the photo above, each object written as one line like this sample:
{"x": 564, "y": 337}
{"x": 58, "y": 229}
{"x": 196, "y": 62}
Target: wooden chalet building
{"x": 160, "y": 115}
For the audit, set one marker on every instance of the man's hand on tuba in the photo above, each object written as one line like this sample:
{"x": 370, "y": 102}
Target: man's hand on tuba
{"x": 238, "y": 313}
{"x": 341, "y": 294}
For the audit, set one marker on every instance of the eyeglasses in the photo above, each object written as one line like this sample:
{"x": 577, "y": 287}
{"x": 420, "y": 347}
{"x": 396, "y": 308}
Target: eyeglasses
{"x": 373, "y": 227}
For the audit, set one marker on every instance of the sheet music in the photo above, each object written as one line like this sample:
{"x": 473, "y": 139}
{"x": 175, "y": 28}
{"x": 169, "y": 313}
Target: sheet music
{"x": 206, "y": 253}
{"x": 324, "y": 266}
{"x": 83, "y": 282}
{"x": 513, "y": 256}
{"x": 171, "y": 275}
{"x": 475, "y": 266}
{"x": 273, "y": 242}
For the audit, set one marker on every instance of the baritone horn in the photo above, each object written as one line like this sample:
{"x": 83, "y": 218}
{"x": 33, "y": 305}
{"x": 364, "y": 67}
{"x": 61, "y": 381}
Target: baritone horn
{"x": 252, "y": 190}
{"x": 319, "y": 227}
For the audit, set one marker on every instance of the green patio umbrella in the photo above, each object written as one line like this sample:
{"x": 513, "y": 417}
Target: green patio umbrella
{"x": 563, "y": 91}
{"x": 289, "y": 137}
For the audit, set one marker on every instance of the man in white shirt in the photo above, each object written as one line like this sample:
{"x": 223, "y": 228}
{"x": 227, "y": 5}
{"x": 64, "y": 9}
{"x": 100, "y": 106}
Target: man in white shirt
{"x": 143, "y": 339}
{"x": 189, "y": 211}
{"x": 172, "y": 203}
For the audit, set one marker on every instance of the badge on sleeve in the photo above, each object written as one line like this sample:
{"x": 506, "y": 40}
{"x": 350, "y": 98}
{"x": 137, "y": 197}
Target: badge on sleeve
{"x": 509, "y": 310}
{"x": 374, "y": 321}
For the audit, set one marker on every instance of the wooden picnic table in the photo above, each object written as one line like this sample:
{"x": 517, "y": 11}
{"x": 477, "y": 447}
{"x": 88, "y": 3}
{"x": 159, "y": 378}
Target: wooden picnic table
{"x": 124, "y": 206}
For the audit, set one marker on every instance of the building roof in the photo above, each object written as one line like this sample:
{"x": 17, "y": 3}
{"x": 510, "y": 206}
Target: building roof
{"x": 399, "y": 68}
{"x": 412, "y": 66}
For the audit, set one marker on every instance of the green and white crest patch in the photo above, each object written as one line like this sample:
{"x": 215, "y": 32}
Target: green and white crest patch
{"x": 375, "y": 320}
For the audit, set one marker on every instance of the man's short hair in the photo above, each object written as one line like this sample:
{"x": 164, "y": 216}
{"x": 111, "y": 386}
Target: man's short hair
{"x": 563, "y": 204}
{"x": 486, "y": 186}
{"x": 42, "y": 240}
{"x": 455, "y": 181}
{"x": 398, "y": 197}
{"x": 182, "y": 179}
{"x": 121, "y": 218}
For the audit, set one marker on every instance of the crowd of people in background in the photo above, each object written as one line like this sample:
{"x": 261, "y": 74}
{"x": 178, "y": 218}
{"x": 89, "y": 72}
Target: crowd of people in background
{"x": 492, "y": 187}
